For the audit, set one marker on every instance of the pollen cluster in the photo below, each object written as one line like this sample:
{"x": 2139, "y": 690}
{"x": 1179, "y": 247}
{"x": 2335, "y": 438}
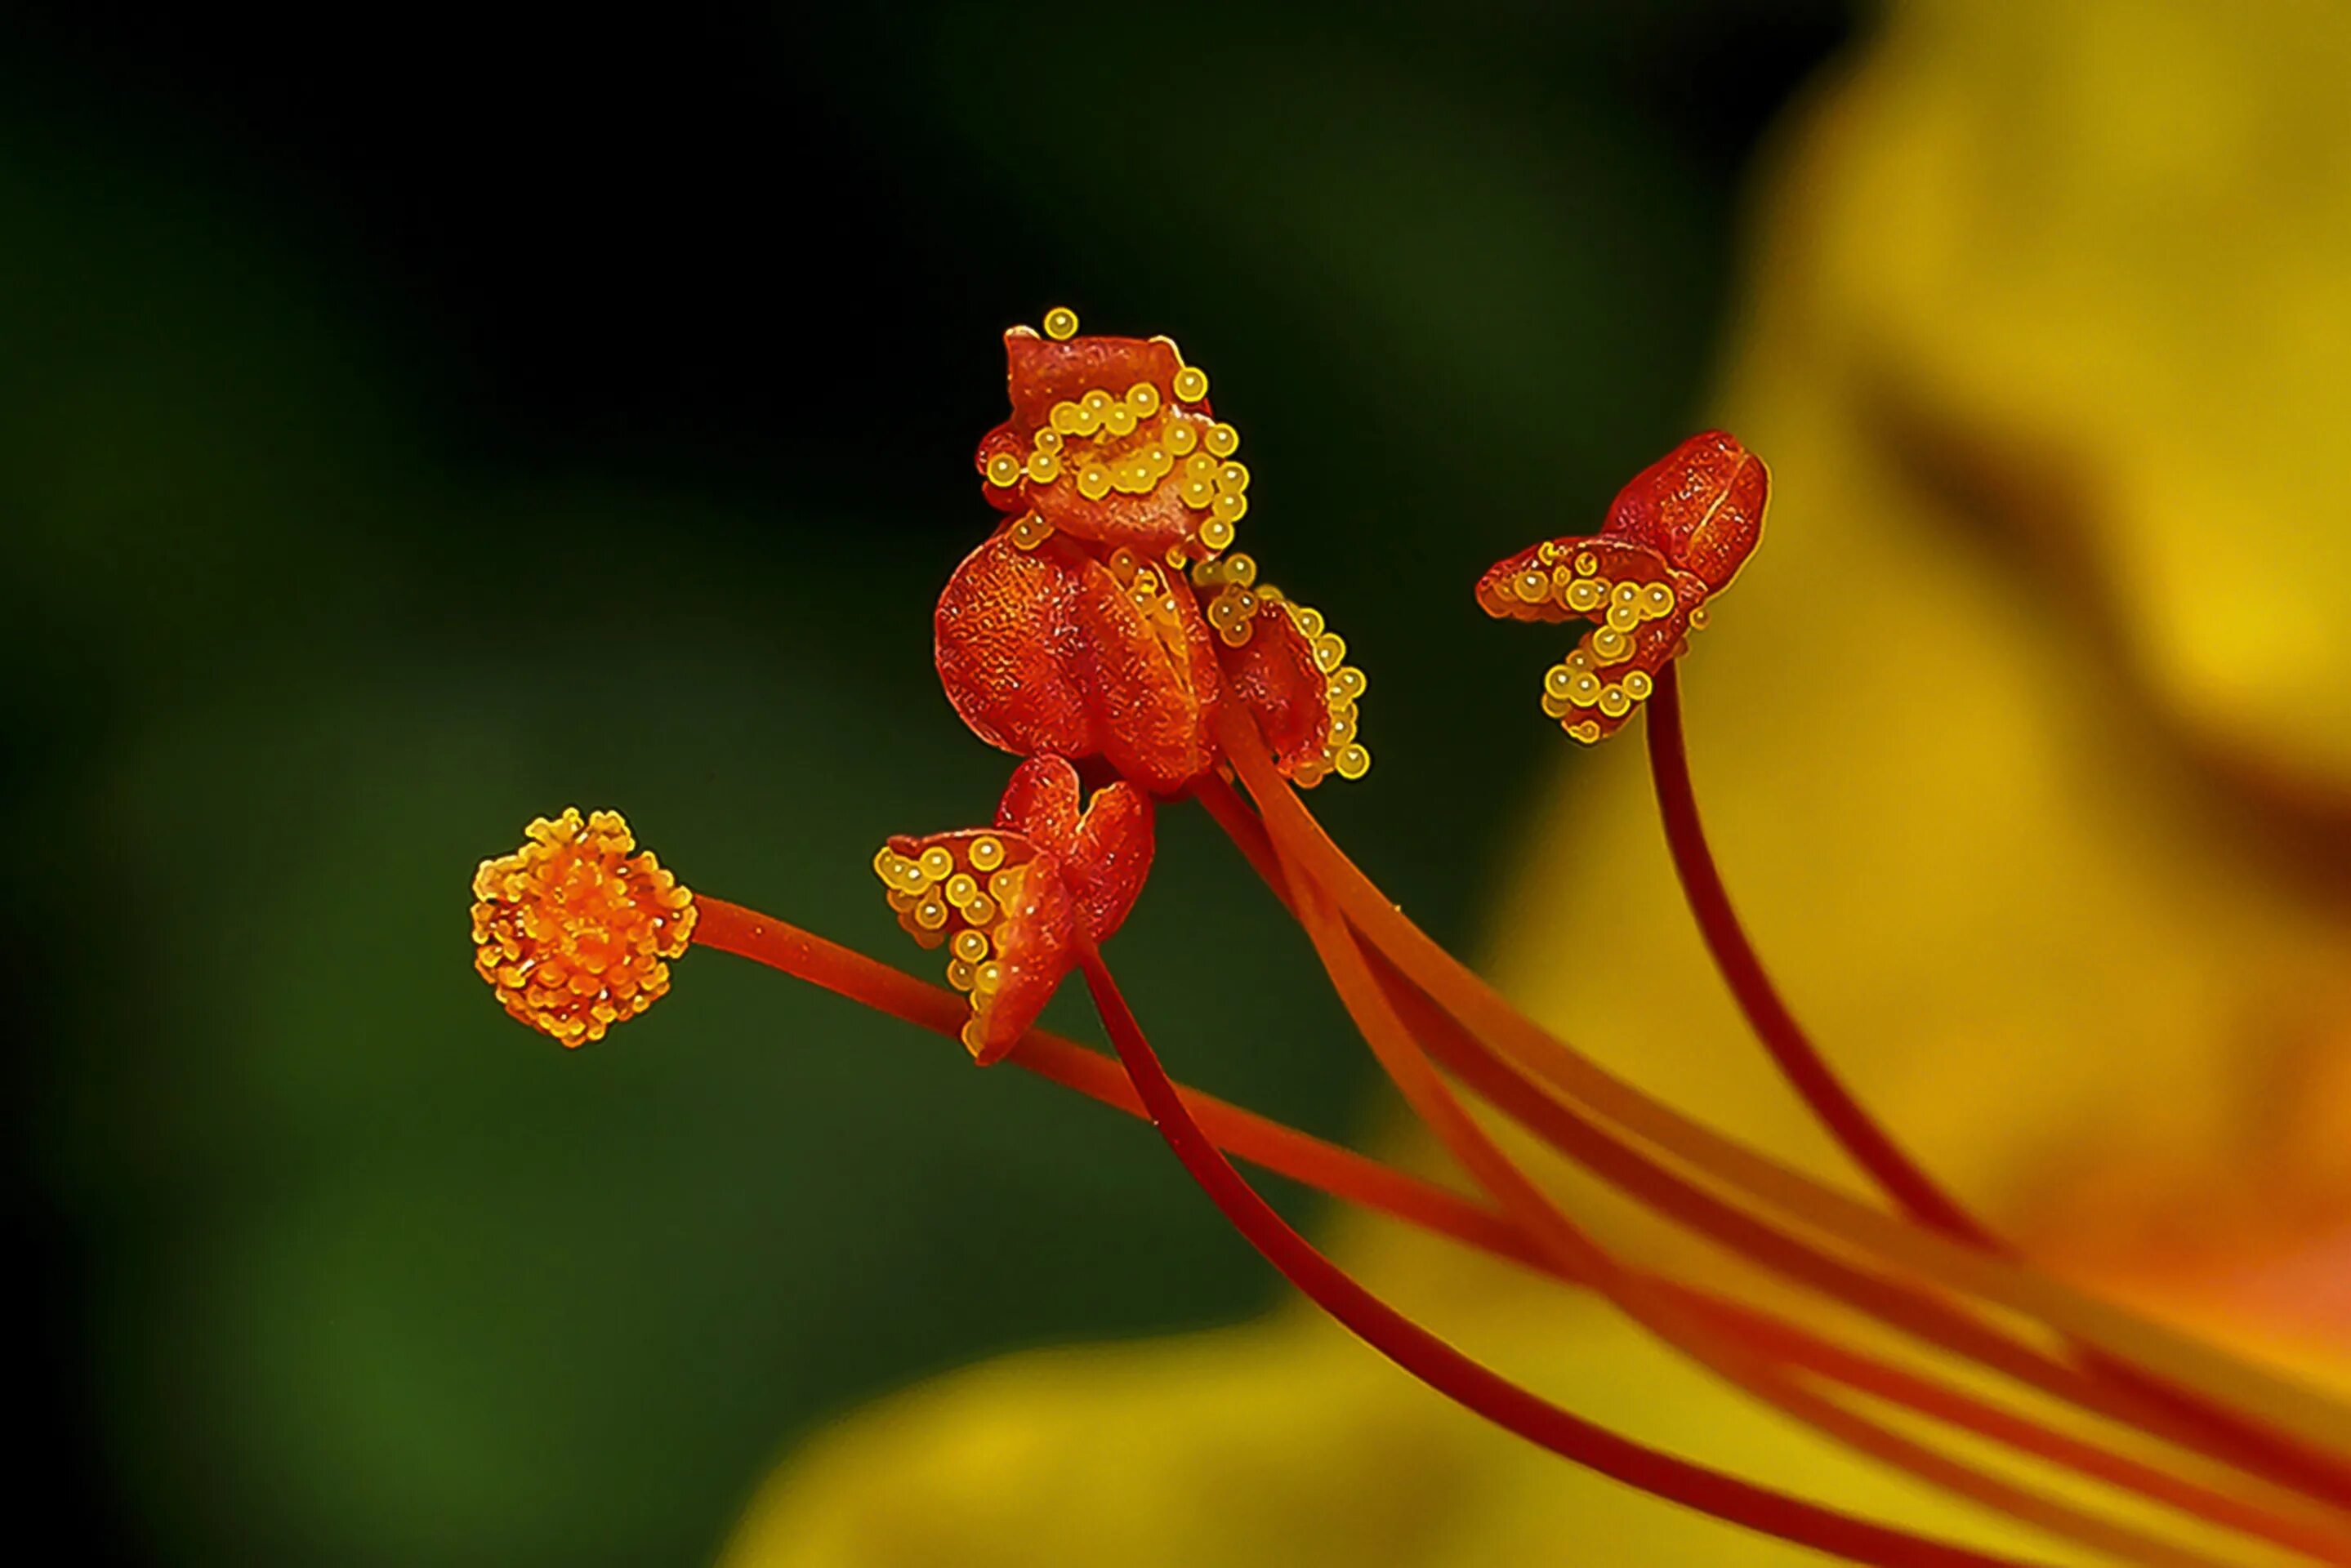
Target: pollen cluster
{"x": 573, "y": 929}
{"x": 1587, "y": 693}
{"x": 1113, "y": 444}
{"x": 1133, "y": 441}
{"x": 1341, "y": 753}
{"x": 1236, "y": 599}
{"x": 949, "y": 893}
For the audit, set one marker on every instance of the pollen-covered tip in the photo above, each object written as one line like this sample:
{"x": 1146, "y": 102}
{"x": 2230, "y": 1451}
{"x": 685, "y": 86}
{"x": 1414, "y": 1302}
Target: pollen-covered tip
{"x": 573, "y": 928}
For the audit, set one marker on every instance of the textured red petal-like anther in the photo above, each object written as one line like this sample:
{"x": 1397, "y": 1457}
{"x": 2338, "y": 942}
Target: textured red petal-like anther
{"x": 1104, "y": 846}
{"x": 1041, "y": 650}
{"x": 1614, "y": 560}
{"x": 1674, "y": 536}
{"x": 1700, "y": 506}
{"x": 1041, "y": 374}
{"x": 1010, "y": 649}
{"x": 1014, "y": 903}
{"x": 1150, "y": 677}
{"x": 1274, "y": 675}
{"x": 1036, "y": 947}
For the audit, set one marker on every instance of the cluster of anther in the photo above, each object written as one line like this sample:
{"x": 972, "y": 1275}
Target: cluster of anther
{"x": 572, "y": 929}
{"x": 1027, "y": 651}
{"x": 1237, "y": 599}
{"x": 1132, "y": 441}
{"x": 950, "y": 892}
{"x": 1676, "y": 536}
{"x": 1579, "y": 686}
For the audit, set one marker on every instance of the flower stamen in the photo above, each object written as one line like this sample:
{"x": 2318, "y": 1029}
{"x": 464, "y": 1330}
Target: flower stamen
{"x": 573, "y": 928}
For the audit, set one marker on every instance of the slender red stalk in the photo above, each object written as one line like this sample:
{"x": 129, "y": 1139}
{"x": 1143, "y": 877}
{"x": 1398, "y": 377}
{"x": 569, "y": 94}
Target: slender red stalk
{"x": 1853, "y": 1127}
{"x": 1801, "y": 1061}
{"x": 1731, "y": 1355}
{"x": 1627, "y": 1168}
{"x": 1285, "y": 1151}
{"x": 1352, "y": 1178}
{"x": 1467, "y": 1383}
{"x": 2321, "y": 1430}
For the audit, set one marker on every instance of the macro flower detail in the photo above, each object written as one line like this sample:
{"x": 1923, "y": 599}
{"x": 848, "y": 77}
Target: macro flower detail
{"x": 573, "y": 929}
{"x": 1105, "y": 618}
{"x": 1012, "y": 904}
{"x": 1187, "y": 675}
{"x": 1674, "y": 536}
{"x": 1112, "y": 439}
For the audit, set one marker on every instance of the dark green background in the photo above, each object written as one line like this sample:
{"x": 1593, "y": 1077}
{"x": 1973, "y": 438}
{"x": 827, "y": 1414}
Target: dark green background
{"x": 409, "y": 425}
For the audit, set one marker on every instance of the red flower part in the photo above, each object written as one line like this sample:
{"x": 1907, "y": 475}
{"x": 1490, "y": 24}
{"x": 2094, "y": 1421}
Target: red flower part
{"x": 1011, "y": 902}
{"x": 1083, "y": 627}
{"x": 1675, "y": 537}
{"x": 1700, "y": 506}
{"x": 1112, "y": 440}
{"x": 1043, "y": 648}
{"x": 1288, "y": 670}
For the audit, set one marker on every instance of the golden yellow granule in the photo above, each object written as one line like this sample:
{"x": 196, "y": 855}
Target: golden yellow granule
{"x": 571, "y": 929}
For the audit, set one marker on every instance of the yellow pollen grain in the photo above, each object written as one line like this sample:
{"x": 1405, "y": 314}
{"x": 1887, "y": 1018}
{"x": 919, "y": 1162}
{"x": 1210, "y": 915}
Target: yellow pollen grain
{"x": 1060, "y": 324}
{"x": 1191, "y": 384}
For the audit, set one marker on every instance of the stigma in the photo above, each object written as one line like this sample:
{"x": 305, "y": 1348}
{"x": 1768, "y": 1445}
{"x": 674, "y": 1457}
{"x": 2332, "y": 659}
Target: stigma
{"x": 574, "y": 929}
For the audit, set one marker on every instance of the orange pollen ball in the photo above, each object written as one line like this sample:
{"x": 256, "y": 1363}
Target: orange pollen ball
{"x": 572, "y": 929}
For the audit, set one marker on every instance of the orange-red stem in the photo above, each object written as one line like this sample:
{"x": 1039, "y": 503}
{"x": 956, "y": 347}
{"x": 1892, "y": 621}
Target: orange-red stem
{"x": 1853, "y": 1127}
{"x": 2321, "y": 1429}
{"x": 1470, "y": 1383}
{"x": 1808, "y": 1071}
{"x": 1352, "y": 1177}
{"x": 1282, "y": 1149}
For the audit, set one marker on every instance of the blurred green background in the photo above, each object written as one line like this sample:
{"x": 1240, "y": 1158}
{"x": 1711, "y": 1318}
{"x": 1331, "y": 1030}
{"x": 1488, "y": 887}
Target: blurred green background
{"x": 409, "y": 425}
